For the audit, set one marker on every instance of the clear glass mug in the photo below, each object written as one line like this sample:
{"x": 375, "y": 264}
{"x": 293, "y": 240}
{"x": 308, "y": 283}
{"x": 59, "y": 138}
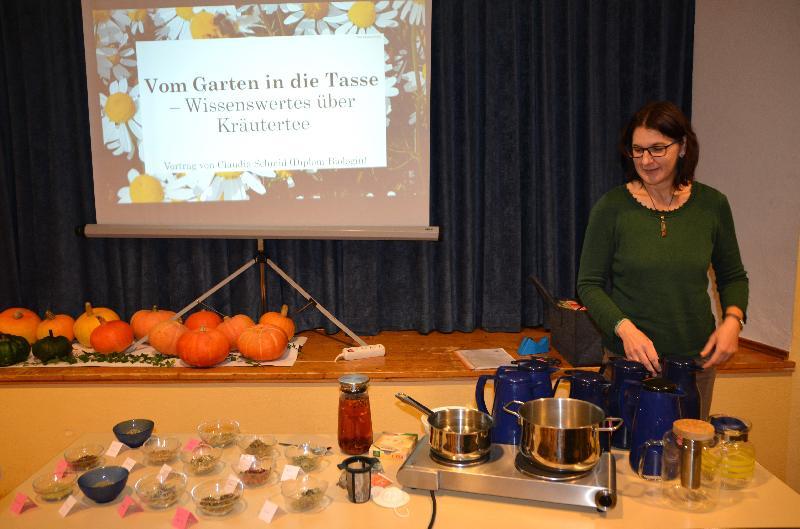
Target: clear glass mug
{"x": 690, "y": 465}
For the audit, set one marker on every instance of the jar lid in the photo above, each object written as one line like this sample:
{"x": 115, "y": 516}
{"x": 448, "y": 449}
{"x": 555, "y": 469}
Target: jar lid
{"x": 353, "y": 383}
{"x": 693, "y": 429}
{"x": 729, "y": 427}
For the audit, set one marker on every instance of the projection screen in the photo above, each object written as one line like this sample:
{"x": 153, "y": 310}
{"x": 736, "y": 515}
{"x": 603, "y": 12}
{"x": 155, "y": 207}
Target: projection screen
{"x": 259, "y": 119}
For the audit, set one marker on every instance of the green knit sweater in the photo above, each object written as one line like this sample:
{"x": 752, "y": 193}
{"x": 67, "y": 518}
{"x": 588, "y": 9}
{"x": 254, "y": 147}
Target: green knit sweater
{"x": 661, "y": 284}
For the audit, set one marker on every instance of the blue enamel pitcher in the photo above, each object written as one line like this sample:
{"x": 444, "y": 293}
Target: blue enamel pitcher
{"x": 510, "y": 384}
{"x": 683, "y": 372}
{"x": 625, "y": 374}
{"x": 658, "y": 405}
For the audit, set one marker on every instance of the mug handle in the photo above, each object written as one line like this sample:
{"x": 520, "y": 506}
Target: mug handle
{"x": 479, "y": 387}
{"x": 645, "y": 448}
{"x": 559, "y": 379}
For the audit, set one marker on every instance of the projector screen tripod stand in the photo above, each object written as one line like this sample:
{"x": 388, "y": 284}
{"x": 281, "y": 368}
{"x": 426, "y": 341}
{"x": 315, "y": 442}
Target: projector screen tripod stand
{"x": 262, "y": 260}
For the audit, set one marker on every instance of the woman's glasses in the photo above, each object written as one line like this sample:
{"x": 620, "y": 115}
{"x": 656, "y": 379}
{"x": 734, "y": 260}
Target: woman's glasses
{"x": 656, "y": 151}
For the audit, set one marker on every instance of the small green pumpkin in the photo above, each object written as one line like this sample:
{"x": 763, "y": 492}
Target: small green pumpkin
{"x": 52, "y": 348}
{"x": 13, "y": 349}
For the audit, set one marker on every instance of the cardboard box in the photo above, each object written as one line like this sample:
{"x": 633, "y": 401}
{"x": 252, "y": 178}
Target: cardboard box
{"x": 572, "y": 332}
{"x": 393, "y": 445}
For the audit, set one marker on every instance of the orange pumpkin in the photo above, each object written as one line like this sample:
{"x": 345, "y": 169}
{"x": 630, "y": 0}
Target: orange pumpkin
{"x": 232, "y": 327}
{"x": 19, "y": 322}
{"x": 111, "y": 336}
{"x": 164, "y": 336}
{"x": 144, "y": 320}
{"x": 203, "y": 347}
{"x": 60, "y": 324}
{"x": 88, "y": 322}
{"x": 279, "y": 320}
{"x": 262, "y": 342}
{"x": 203, "y": 318}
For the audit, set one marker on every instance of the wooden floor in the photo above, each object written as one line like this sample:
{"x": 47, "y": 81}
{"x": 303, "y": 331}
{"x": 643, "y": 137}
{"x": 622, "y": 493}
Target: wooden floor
{"x": 410, "y": 356}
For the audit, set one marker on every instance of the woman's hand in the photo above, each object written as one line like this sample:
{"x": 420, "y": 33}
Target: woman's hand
{"x": 722, "y": 343}
{"x": 638, "y": 346}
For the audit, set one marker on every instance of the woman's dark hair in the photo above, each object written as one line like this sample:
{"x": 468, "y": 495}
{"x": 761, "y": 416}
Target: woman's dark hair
{"x": 666, "y": 118}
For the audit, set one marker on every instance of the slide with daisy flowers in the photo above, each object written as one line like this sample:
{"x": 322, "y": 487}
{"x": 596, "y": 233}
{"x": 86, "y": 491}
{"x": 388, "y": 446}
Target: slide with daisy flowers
{"x": 268, "y": 114}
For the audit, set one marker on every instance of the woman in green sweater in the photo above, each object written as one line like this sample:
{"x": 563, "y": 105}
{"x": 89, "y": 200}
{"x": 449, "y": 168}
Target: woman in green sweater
{"x": 648, "y": 248}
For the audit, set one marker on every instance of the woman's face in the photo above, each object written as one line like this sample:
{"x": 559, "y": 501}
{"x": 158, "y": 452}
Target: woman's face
{"x": 654, "y": 170}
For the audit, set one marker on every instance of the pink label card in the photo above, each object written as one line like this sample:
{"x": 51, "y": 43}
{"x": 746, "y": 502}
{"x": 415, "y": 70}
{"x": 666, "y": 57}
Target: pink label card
{"x": 191, "y": 444}
{"x": 61, "y": 467}
{"x": 128, "y": 506}
{"x": 21, "y": 503}
{"x": 245, "y": 462}
{"x": 183, "y": 518}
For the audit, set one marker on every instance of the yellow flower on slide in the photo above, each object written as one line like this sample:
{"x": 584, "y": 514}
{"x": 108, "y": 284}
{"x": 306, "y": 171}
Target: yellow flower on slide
{"x": 121, "y": 118}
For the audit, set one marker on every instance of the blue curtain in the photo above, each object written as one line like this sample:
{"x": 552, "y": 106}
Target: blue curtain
{"x": 527, "y": 101}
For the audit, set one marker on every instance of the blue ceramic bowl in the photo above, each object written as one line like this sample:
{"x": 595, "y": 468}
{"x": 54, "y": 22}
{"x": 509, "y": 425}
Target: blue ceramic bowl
{"x": 134, "y": 432}
{"x": 103, "y": 484}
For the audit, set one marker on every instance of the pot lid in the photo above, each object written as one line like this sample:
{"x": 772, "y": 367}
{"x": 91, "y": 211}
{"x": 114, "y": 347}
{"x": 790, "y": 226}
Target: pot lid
{"x": 513, "y": 374}
{"x": 659, "y": 385}
{"x": 729, "y": 427}
{"x": 623, "y": 364}
{"x": 679, "y": 362}
{"x": 538, "y": 364}
{"x": 589, "y": 376}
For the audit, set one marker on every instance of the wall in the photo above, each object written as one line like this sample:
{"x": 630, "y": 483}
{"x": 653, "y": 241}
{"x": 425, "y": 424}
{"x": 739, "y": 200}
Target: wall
{"x": 746, "y": 115}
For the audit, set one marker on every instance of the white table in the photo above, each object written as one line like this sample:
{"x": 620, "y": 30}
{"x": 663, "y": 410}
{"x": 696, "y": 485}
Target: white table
{"x": 767, "y": 503}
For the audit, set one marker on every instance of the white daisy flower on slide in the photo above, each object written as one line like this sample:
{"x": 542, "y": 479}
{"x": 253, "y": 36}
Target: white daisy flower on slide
{"x": 114, "y": 60}
{"x": 137, "y": 17}
{"x": 121, "y": 118}
{"x": 411, "y": 10}
{"x": 312, "y": 18}
{"x": 110, "y": 25}
{"x": 190, "y": 22}
{"x": 142, "y": 188}
{"x": 232, "y": 185}
{"x": 363, "y": 17}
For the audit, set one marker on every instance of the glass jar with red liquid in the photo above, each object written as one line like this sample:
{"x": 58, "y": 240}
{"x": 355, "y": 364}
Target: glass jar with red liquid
{"x": 355, "y": 419}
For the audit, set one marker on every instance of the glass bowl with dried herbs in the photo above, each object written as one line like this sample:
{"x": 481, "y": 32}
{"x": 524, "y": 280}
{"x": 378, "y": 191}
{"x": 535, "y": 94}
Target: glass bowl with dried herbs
{"x": 307, "y": 456}
{"x": 259, "y": 445}
{"x": 159, "y": 492}
{"x": 256, "y": 471}
{"x": 218, "y": 497}
{"x": 202, "y": 459}
{"x": 218, "y": 432}
{"x": 52, "y": 487}
{"x": 83, "y": 457}
{"x": 160, "y": 450}
{"x": 304, "y": 494}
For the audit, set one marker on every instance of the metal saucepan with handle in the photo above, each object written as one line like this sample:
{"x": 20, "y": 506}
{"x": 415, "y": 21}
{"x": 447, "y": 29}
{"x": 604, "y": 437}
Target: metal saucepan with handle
{"x": 460, "y": 435}
{"x": 562, "y": 434}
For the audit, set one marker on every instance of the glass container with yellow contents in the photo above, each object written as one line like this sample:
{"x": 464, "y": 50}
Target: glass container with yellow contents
{"x": 737, "y": 453}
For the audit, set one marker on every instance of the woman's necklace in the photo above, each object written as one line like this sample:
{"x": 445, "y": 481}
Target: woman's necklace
{"x": 661, "y": 212}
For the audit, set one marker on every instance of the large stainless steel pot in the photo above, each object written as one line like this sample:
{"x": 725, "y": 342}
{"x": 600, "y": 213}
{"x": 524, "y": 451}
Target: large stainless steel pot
{"x": 562, "y": 434}
{"x": 460, "y": 435}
